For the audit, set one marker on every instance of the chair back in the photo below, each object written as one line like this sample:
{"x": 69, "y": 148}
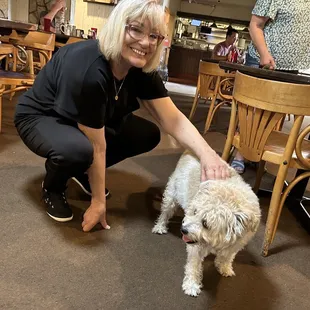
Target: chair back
{"x": 259, "y": 105}
{"x": 208, "y": 73}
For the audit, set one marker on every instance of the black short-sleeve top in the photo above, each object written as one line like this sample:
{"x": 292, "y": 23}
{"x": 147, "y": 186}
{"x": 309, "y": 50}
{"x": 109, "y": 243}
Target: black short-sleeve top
{"x": 78, "y": 84}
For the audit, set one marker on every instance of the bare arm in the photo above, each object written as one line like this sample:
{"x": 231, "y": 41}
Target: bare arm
{"x": 177, "y": 125}
{"x": 257, "y": 26}
{"x": 96, "y": 173}
{"x": 58, "y": 5}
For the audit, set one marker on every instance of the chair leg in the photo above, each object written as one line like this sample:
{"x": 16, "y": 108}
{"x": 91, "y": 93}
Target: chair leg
{"x": 14, "y": 69}
{"x": 284, "y": 196}
{"x": 259, "y": 176}
{"x": 15, "y": 59}
{"x": 231, "y": 132}
{"x": 194, "y": 107}
{"x": 274, "y": 208}
{"x": 211, "y": 108}
{"x": 196, "y": 100}
{"x": 2, "y": 88}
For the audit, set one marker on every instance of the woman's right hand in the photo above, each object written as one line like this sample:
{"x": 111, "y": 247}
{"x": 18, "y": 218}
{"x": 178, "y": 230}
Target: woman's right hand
{"x": 267, "y": 60}
{"x": 95, "y": 214}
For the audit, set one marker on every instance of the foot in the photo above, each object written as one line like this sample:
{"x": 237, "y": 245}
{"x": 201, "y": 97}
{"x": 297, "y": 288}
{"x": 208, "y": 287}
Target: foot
{"x": 159, "y": 229}
{"x": 191, "y": 288}
{"x": 57, "y": 206}
{"x": 82, "y": 181}
{"x": 238, "y": 165}
{"x": 225, "y": 271}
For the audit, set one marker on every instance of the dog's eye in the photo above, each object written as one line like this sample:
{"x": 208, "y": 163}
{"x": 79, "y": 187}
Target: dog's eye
{"x": 205, "y": 224}
{"x": 195, "y": 212}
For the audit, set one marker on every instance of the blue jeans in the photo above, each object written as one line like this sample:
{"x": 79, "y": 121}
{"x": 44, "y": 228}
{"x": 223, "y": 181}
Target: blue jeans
{"x": 251, "y": 61}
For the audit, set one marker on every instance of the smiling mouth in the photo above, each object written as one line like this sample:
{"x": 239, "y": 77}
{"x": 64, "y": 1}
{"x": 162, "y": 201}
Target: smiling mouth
{"x": 187, "y": 240}
{"x": 140, "y": 53}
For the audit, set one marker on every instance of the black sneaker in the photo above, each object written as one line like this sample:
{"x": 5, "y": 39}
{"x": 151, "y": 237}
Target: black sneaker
{"x": 57, "y": 206}
{"x": 82, "y": 181}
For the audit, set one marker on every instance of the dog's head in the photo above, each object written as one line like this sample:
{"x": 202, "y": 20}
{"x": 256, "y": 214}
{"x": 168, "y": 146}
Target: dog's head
{"x": 214, "y": 223}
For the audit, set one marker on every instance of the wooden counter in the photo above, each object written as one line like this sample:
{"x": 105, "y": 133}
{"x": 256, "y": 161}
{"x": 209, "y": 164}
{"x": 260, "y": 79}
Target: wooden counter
{"x": 183, "y": 64}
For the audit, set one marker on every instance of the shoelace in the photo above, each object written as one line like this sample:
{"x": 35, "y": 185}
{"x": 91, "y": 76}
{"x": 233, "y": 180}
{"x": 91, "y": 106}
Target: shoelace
{"x": 55, "y": 197}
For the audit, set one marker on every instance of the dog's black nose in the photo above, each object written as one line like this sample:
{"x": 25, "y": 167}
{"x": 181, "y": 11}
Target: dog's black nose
{"x": 184, "y": 231}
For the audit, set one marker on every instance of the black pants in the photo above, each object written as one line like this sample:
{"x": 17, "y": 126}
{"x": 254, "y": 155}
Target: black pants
{"x": 69, "y": 152}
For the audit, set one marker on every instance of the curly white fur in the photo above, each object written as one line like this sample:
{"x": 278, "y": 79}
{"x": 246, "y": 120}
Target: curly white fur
{"x": 220, "y": 218}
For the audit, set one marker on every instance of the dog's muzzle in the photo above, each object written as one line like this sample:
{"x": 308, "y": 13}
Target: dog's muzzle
{"x": 185, "y": 237}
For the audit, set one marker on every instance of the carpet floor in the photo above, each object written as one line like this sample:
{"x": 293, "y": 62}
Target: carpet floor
{"x": 50, "y": 265}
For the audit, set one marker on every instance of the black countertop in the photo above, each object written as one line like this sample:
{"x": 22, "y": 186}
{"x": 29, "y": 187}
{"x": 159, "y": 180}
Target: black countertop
{"x": 266, "y": 74}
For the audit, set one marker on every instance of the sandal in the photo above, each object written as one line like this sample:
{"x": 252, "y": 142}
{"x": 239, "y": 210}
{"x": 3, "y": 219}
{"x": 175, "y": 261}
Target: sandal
{"x": 238, "y": 165}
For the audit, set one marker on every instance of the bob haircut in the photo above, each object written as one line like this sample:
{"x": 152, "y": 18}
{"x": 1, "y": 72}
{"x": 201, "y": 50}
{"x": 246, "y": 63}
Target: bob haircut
{"x": 113, "y": 33}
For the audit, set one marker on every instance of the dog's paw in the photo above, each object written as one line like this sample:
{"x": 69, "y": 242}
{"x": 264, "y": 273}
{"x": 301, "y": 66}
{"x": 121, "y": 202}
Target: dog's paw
{"x": 159, "y": 229}
{"x": 191, "y": 288}
{"x": 226, "y": 271}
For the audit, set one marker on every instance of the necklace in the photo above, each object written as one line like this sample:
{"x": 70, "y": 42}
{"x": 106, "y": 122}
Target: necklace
{"x": 117, "y": 91}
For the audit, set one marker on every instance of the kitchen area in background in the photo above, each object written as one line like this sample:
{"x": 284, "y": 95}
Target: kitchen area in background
{"x": 194, "y": 38}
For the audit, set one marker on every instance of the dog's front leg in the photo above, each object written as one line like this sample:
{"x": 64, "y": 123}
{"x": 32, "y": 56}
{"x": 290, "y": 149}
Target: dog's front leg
{"x": 192, "y": 282}
{"x": 223, "y": 262}
{"x": 168, "y": 208}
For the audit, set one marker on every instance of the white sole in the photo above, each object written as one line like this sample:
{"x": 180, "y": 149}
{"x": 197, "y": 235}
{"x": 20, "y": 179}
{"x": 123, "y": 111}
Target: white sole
{"x": 83, "y": 188}
{"x": 59, "y": 219}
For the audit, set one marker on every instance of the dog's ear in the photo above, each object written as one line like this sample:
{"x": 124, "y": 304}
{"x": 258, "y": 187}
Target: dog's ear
{"x": 240, "y": 223}
{"x": 244, "y": 221}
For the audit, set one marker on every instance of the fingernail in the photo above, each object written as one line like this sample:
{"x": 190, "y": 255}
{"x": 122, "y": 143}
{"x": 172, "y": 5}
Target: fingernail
{"x": 107, "y": 227}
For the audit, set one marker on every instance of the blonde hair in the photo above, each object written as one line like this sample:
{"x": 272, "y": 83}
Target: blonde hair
{"x": 113, "y": 33}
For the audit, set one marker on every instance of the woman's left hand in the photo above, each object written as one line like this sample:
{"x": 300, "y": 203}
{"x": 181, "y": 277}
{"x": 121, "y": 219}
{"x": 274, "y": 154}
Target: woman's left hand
{"x": 213, "y": 167}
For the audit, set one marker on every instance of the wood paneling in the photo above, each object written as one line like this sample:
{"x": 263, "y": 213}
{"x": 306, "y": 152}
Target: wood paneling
{"x": 88, "y": 15}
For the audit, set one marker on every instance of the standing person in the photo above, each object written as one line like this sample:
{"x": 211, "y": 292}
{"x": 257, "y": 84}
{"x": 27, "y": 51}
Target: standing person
{"x": 277, "y": 29}
{"x": 55, "y": 15}
{"x": 78, "y": 114}
{"x": 222, "y": 50}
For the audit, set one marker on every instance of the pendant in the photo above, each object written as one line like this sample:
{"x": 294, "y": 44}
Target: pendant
{"x": 116, "y": 97}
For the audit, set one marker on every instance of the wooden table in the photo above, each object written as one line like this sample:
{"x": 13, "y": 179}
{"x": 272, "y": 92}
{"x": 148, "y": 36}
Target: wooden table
{"x": 275, "y": 75}
{"x": 293, "y": 201}
{"x": 7, "y": 25}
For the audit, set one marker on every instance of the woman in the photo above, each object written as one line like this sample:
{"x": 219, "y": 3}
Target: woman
{"x": 277, "y": 30}
{"x": 78, "y": 115}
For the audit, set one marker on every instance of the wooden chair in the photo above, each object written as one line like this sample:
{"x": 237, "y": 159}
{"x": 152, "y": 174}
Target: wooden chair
{"x": 6, "y": 50}
{"x": 212, "y": 83}
{"x": 42, "y": 43}
{"x": 257, "y": 107}
{"x": 20, "y": 81}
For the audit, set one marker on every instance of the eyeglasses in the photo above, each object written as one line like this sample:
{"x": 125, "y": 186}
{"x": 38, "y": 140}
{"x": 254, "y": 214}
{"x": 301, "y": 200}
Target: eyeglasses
{"x": 138, "y": 33}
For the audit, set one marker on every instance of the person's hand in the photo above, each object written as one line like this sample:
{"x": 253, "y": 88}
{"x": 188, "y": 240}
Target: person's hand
{"x": 267, "y": 61}
{"x": 213, "y": 167}
{"x": 59, "y": 5}
{"x": 229, "y": 56}
{"x": 95, "y": 214}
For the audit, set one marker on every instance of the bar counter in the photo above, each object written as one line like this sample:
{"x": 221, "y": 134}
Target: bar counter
{"x": 183, "y": 64}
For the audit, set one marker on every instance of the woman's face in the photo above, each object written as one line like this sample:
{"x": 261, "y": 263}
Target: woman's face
{"x": 140, "y": 43}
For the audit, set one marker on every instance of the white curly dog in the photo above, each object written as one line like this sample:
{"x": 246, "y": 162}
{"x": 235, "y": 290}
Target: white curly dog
{"x": 221, "y": 217}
